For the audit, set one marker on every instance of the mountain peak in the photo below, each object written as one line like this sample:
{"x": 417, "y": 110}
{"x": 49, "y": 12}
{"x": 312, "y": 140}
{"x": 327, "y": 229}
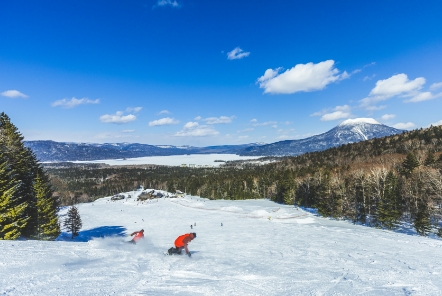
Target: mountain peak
{"x": 358, "y": 121}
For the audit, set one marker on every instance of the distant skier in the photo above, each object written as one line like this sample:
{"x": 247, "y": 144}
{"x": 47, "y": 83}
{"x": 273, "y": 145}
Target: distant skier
{"x": 138, "y": 235}
{"x": 181, "y": 243}
{"x": 191, "y": 226}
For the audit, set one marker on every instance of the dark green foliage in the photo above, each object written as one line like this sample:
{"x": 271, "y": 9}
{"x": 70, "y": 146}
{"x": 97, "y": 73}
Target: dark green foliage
{"x": 410, "y": 163}
{"x": 22, "y": 168}
{"x": 389, "y": 208}
{"x": 430, "y": 159}
{"x": 422, "y": 222}
{"x": 72, "y": 222}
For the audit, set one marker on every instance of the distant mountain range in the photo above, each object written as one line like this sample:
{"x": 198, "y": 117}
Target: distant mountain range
{"x": 50, "y": 151}
{"x": 349, "y": 131}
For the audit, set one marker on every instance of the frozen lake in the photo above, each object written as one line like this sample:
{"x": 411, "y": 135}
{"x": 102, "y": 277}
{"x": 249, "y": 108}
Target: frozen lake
{"x": 174, "y": 160}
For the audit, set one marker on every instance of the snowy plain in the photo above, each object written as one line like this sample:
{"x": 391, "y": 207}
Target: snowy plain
{"x": 174, "y": 160}
{"x": 261, "y": 248}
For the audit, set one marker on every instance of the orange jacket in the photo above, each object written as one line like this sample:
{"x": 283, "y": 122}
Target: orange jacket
{"x": 183, "y": 240}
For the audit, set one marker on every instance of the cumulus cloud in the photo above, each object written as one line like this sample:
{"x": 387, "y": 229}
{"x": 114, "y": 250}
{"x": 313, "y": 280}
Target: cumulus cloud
{"x": 423, "y": 96}
{"x": 302, "y": 77}
{"x": 164, "y": 112}
{"x": 13, "y": 94}
{"x": 197, "y": 131}
{"x": 265, "y": 123}
{"x": 198, "y": 118}
{"x": 388, "y": 116}
{"x": 118, "y": 118}
{"x": 134, "y": 109}
{"x": 394, "y": 86}
{"x": 74, "y": 102}
{"x": 163, "y": 121}
{"x": 401, "y": 125}
{"x": 237, "y": 53}
{"x": 335, "y": 113}
{"x": 245, "y": 130}
{"x": 437, "y": 123}
{"x": 164, "y": 3}
{"x": 254, "y": 120}
{"x": 190, "y": 125}
{"x": 436, "y": 85}
{"x": 219, "y": 120}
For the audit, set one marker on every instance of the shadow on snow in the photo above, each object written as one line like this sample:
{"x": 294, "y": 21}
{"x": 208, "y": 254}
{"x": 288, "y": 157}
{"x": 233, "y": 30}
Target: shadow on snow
{"x": 98, "y": 232}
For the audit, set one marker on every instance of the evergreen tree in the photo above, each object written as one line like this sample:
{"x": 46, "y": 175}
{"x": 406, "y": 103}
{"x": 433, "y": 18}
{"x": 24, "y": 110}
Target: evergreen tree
{"x": 409, "y": 164}
{"x": 430, "y": 159}
{"x": 422, "y": 222}
{"x": 388, "y": 210}
{"x": 24, "y": 165}
{"x": 72, "y": 223}
{"x": 48, "y": 227}
{"x": 11, "y": 212}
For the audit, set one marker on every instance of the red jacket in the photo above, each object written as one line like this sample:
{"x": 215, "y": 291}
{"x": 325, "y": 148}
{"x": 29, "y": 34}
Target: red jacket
{"x": 138, "y": 235}
{"x": 183, "y": 240}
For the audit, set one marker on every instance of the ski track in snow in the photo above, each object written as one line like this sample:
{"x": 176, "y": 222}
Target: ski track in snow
{"x": 262, "y": 249}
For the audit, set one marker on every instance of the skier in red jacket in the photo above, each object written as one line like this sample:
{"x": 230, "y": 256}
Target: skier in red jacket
{"x": 138, "y": 235}
{"x": 181, "y": 243}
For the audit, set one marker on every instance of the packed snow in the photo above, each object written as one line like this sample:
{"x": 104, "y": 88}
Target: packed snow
{"x": 251, "y": 247}
{"x": 175, "y": 160}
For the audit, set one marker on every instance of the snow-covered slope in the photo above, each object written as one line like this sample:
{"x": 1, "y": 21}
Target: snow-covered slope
{"x": 262, "y": 249}
{"x": 349, "y": 131}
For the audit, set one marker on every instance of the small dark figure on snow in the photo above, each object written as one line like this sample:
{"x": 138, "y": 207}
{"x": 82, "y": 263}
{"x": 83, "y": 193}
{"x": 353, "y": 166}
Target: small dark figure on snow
{"x": 181, "y": 243}
{"x": 191, "y": 226}
{"x": 138, "y": 235}
{"x": 221, "y": 224}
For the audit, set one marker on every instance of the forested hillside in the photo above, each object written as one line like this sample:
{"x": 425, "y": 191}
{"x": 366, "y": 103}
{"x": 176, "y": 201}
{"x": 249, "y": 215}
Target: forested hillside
{"x": 380, "y": 182}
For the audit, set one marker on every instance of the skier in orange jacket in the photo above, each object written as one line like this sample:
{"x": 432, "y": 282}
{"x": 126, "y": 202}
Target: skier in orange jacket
{"x": 138, "y": 235}
{"x": 181, "y": 243}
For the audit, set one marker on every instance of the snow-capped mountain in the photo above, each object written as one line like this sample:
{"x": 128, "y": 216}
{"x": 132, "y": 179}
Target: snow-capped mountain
{"x": 349, "y": 131}
{"x": 65, "y": 151}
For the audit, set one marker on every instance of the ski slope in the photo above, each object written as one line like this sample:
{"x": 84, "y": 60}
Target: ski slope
{"x": 262, "y": 249}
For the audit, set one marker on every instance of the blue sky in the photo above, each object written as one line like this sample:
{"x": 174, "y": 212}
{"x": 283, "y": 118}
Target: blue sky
{"x": 194, "y": 72}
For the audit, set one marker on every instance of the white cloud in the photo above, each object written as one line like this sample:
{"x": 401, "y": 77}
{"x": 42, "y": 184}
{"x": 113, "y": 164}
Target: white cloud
{"x": 237, "y": 53}
{"x": 164, "y": 3}
{"x": 335, "y": 115}
{"x": 118, "y": 118}
{"x": 394, "y": 86}
{"x": 190, "y": 125}
{"x": 287, "y": 122}
{"x": 13, "y": 94}
{"x": 164, "y": 112}
{"x": 275, "y": 126}
{"x": 265, "y": 123}
{"x": 135, "y": 109}
{"x": 302, "y": 77}
{"x": 198, "y": 131}
{"x": 218, "y": 120}
{"x": 74, "y": 102}
{"x": 437, "y": 123}
{"x": 163, "y": 121}
{"x": 375, "y": 108}
{"x": 254, "y": 120}
{"x": 246, "y": 130}
{"x": 198, "y": 118}
{"x": 366, "y": 78}
{"x": 388, "y": 116}
{"x": 128, "y": 131}
{"x": 436, "y": 85}
{"x": 401, "y": 125}
{"x": 422, "y": 96}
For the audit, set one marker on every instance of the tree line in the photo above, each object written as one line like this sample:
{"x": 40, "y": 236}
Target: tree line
{"x": 381, "y": 182}
{"x": 28, "y": 208}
